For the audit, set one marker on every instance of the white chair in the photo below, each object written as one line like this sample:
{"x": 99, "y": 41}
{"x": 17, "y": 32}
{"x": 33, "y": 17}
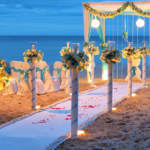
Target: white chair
{"x": 18, "y": 84}
{"x": 43, "y": 76}
{"x": 62, "y": 75}
{"x": 136, "y": 63}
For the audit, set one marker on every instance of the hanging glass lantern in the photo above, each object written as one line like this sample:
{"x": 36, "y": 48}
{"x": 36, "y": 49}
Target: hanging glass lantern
{"x": 140, "y": 23}
{"x": 95, "y": 23}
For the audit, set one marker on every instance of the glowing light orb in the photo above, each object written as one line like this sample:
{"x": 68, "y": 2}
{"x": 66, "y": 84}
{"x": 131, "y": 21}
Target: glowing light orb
{"x": 38, "y": 107}
{"x": 133, "y": 94}
{"x": 95, "y": 23}
{"x": 80, "y": 132}
{"x": 140, "y": 23}
{"x": 114, "y": 109}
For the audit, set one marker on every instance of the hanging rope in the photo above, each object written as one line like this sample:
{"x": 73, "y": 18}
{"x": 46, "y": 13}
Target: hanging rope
{"x": 125, "y": 23}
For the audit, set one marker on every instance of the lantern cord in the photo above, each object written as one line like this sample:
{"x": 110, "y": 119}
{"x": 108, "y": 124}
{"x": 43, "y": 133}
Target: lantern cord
{"x": 132, "y": 27}
{"x": 149, "y": 31}
{"x": 137, "y": 38}
{"x": 122, "y": 45}
{"x": 109, "y": 29}
{"x": 149, "y": 45}
{"x": 117, "y": 40}
{"x": 144, "y": 32}
{"x": 125, "y": 21}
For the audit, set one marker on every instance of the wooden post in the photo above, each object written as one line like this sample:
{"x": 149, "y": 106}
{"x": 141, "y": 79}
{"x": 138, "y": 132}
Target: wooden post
{"x": 129, "y": 77}
{"x": 144, "y": 70}
{"x": 74, "y": 105}
{"x": 110, "y": 87}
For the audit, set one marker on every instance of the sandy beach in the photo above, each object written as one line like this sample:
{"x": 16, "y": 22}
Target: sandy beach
{"x": 127, "y": 128}
{"x": 14, "y": 106}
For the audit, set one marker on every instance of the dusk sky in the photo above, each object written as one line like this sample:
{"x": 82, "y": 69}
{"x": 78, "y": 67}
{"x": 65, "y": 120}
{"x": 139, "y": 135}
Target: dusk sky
{"x": 41, "y": 17}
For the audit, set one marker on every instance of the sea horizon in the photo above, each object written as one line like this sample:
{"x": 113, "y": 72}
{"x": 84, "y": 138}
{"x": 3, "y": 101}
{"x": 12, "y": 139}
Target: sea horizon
{"x": 13, "y": 46}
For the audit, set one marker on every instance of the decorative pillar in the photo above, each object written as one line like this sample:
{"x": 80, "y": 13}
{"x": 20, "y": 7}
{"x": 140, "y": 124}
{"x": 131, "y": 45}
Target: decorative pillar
{"x": 104, "y": 65}
{"x": 89, "y": 69}
{"x": 110, "y": 87}
{"x": 144, "y": 70}
{"x": 33, "y": 74}
{"x": 86, "y": 24}
{"x": 74, "y": 104}
{"x": 129, "y": 77}
{"x": 92, "y": 70}
{"x": 68, "y": 77}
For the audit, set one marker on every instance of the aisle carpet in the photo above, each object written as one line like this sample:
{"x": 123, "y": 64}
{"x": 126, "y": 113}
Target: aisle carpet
{"x": 38, "y": 131}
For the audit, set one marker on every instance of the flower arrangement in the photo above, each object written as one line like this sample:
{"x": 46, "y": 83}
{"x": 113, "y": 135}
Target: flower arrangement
{"x": 90, "y": 49}
{"x": 4, "y": 74}
{"x": 65, "y": 50}
{"x": 110, "y": 56}
{"x": 143, "y": 51}
{"x": 119, "y": 11}
{"x": 32, "y": 54}
{"x": 78, "y": 61}
{"x": 130, "y": 52}
{"x": 104, "y": 45}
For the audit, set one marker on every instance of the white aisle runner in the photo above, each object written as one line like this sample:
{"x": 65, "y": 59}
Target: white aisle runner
{"x": 37, "y": 131}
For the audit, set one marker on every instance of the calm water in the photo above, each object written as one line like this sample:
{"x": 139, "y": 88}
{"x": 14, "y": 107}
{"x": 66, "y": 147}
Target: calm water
{"x": 12, "y": 47}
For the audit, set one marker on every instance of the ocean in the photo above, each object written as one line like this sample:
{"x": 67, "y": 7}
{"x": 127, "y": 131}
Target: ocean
{"x": 12, "y": 47}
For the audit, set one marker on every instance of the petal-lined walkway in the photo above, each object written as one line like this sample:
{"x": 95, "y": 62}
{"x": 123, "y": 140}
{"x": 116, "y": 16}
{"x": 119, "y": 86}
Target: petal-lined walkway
{"x": 40, "y": 130}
